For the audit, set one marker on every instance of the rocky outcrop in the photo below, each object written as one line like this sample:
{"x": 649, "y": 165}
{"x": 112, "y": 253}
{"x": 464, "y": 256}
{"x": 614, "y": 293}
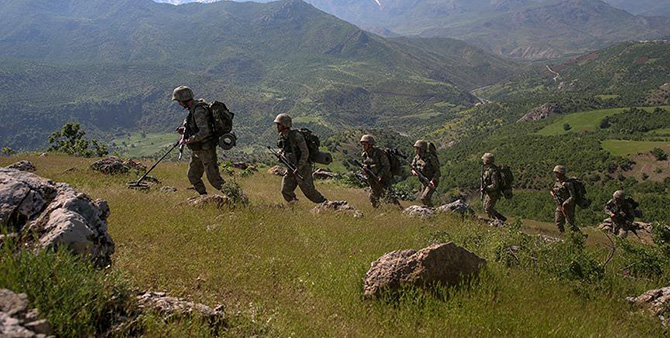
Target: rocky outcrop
{"x": 441, "y": 264}
{"x": 457, "y": 207}
{"x": 56, "y": 214}
{"x": 418, "y": 211}
{"x": 277, "y": 170}
{"x": 542, "y": 112}
{"x": 623, "y": 232}
{"x": 110, "y": 166}
{"x": 23, "y": 166}
{"x": 337, "y": 206}
{"x": 655, "y": 301}
{"x": 16, "y": 320}
{"x": 659, "y": 97}
{"x": 322, "y": 174}
{"x": 173, "y": 307}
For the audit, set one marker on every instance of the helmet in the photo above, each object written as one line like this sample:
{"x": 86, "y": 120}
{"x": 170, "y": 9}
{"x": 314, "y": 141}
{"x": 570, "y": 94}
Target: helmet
{"x": 227, "y": 141}
{"x": 182, "y": 93}
{"x": 368, "y": 138}
{"x": 560, "y": 169}
{"x": 284, "y": 120}
{"x": 421, "y": 144}
{"x": 489, "y": 158}
{"x": 619, "y": 194}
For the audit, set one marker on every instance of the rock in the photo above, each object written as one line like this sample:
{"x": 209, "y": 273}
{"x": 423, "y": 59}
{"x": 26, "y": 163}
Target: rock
{"x": 608, "y": 226}
{"x": 655, "y": 301}
{"x": 217, "y": 201}
{"x": 132, "y": 164}
{"x": 542, "y": 112}
{"x": 110, "y": 166}
{"x": 16, "y": 320}
{"x": 446, "y": 264}
{"x": 419, "y": 211}
{"x": 244, "y": 166}
{"x": 459, "y": 206}
{"x": 322, "y": 174}
{"x": 496, "y": 223}
{"x": 44, "y": 155}
{"x": 181, "y": 308}
{"x": 168, "y": 189}
{"x": 337, "y": 206}
{"x": 277, "y": 170}
{"x": 23, "y": 166}
{"x": 56, "y": 214}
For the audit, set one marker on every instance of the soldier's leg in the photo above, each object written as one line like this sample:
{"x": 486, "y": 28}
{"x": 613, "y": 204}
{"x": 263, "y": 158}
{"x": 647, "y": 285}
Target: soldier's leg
{"x": 490, "y": 207}
{"x": 211, "y": 164}
{"x": 288, "y": 185}
{"x": 195, "y": 171}
{"x": 389, "y": 197}
{"x": 427, "y": 196}
{"x": 308, "y": 188}
{"x": 559, "y": 218}
{"x": 376, "y": 192}
{"x": 570, "y": 218}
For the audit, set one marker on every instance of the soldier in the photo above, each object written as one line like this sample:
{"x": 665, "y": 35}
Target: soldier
{"x": 429, "y": 166}
{"x": 377, "y": 170}
{"x": 622, "y": 210}
{"x": 294, "y": 148}
{"x": 566, "y": 199}
{"x": 490, "y": 187}
{"x": 200, "y": 139}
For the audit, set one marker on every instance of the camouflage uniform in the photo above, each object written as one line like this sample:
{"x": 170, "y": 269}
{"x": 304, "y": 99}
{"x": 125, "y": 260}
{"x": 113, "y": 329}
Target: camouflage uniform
{"x": 492, "y": 193}
{"x": 376, "y": 161}
{"x": 294, "y": 147}
{"x": 202, "y": 144}
{"x": 430, "y": 167}
{"x": 567, "y": 197}
{"x": 624, "y": 215}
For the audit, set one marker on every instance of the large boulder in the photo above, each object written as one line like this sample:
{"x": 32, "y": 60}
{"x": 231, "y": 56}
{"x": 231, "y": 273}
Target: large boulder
{"x": 337, "y": 206}
{"x": 23, "y": 166}
{"x": 56, "y": 213}
{"x": 459, "y": 207}
{"x": 635, "y": 227}
{"x": 16, "y": 320}
{"x": 110, "y": 166}
{"x": 441, "y": 264}
{"x": 418, "y": 211}
{"x": 655, "y": 301}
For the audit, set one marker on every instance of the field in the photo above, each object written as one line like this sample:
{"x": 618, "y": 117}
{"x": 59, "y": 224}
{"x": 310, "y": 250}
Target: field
{"x": 627, "y": 148}
{"x": 140, "y": 145}
{"x": 660, "y": 132}
{"x": 584, "y": 121}
{"x": 290, "y": 272}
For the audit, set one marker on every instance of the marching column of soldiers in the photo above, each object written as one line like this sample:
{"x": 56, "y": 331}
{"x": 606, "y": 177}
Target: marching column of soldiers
{"x": 198, "y": 136}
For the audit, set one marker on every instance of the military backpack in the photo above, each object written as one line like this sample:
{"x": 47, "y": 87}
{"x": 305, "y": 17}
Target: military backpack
{"x": 313, "y": 144}
{"x": 395, "y": 160}
{"x": 580, "y": 190}
{"x": 506, "y": 181}
{"x": 221, "y": 118}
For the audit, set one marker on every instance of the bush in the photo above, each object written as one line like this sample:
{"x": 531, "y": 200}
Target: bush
{"x": 659, "y": 154}
{"x": 70, "y": 140}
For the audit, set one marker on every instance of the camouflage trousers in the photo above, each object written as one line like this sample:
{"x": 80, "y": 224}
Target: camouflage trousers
{"x": 381, "y": 192}
{"x": 427, "y": 194}
{"x": 290, "y": 182}
{"x": 204, "y": 161}
{"x": 621, "y": 227}
{"x": 489, "y": 204}
{"x": 569, "y": 217}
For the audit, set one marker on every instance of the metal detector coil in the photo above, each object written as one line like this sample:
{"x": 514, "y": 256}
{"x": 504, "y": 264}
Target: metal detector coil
{"x": 227, "y": 141}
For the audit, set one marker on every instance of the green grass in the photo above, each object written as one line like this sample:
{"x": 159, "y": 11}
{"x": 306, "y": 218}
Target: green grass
{"x": 295, "y": 273}
{"x": 662, "y": 132}
{"x": 138, "y": 146}
{"x": 626, "y": 148}
{"x": 584, "y": 121}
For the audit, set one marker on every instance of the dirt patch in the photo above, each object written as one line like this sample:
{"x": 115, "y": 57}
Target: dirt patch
{"x": 641, "y": 60}
{"x": 646, "y": 164}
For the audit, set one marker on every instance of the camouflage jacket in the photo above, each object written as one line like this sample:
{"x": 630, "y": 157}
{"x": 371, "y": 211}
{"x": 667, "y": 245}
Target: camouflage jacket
{"x": 625, "y": 210}
{"x": 198, "y": 129}
{"x": 565, "y": 191}
{"x": 294, "y": 146}
{"x": 491, "y": 178}
{"x": 429, "y": 165}
{"x": 376, "y": 160}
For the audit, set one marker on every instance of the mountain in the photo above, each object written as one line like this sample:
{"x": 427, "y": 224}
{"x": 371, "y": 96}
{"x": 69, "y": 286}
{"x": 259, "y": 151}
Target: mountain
{"x": 112, "y": 66}
{"x": 643, "y": 7}
{"x": 512, "y": 28}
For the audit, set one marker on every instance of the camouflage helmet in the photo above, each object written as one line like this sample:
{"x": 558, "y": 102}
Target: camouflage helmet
{"x": 619, "y": 194}
{"x": 421, "y": 144}
{"x": 368, "y": 138}
{"x": 560, "y": 169}
{"x": 182, "y": 94}
{"x": 489, "y": 158}
{"x": 284, "y": 120}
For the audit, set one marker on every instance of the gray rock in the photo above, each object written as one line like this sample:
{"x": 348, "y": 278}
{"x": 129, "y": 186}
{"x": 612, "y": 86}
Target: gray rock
{"x": 16, "y": 320}
{"x": 337, "y": 206}
{"x": 322, "y": 174}
{"x": 656, "y": 301}
{"x": 23, "y": 166}
{"x": 459, "y": 206}
{"x": 277, "y": 170}
{"x": 419, "y": 211}
{"x": 110, "y": 166}
{"x": 179, "y": 307}
{"x": 542, "y": 112}
{"x": 445, "y": 264}
{"x": 57, "y": 214}
{"x": 168, "y": 188}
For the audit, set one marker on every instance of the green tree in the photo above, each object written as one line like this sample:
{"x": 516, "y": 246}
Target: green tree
{"x": 70, "y": 140}
{"x": 7, "y": 151}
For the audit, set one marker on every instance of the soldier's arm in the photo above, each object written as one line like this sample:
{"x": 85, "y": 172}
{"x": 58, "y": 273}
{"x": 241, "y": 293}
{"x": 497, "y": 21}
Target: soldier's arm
{"x": 200, "y": 115}
{"x": 385, "y": 165}
{"x": 495, "y": 181}
{"x": 608, "y": 208}
{"x": 300, "y": 143}
{"x": 573, "y": 194}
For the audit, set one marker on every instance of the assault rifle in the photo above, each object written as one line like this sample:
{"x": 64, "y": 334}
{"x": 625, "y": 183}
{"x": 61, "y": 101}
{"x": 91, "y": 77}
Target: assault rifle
{"x": 366, "y": 170}
{"x": 481, "y": 184}
{"x": 558, "y": 201}
{"x": 291, "y": 168}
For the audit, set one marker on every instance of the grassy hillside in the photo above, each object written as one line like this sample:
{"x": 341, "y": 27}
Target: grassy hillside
{"x": 291, "y": 272}
{"x": 584, "y": 121}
